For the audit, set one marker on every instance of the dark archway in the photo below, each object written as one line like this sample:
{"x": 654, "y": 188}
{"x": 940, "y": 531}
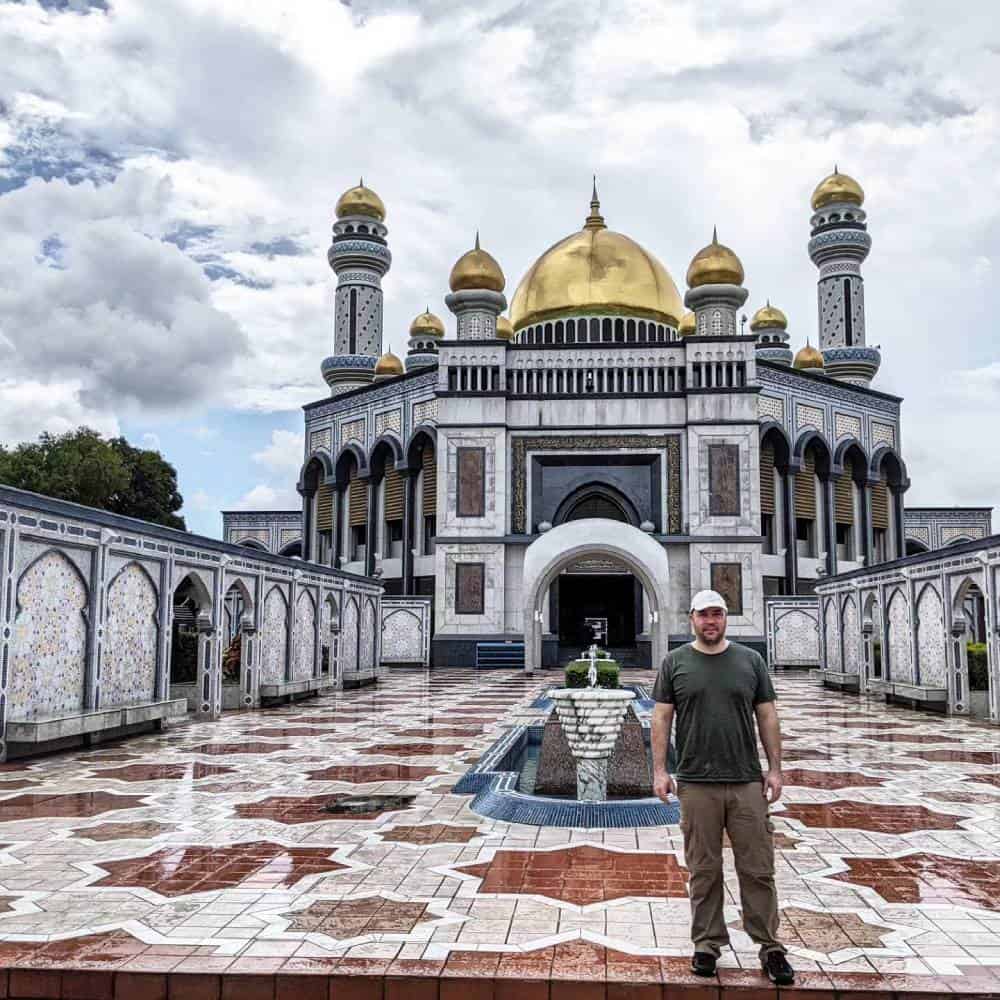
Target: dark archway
{"x": 597, "y": 500}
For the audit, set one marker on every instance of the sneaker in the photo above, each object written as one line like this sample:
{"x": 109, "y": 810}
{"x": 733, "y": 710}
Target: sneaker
{"x": 703, "y": 964}
{"x": 777, "y": 969}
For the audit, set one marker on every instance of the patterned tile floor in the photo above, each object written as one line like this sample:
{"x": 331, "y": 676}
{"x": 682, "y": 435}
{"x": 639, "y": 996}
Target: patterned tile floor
{"x": 209, "y": 852}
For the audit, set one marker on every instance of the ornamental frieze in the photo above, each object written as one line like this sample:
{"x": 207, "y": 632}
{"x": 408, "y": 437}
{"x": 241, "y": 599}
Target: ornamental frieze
{"x": 520, "y": 446}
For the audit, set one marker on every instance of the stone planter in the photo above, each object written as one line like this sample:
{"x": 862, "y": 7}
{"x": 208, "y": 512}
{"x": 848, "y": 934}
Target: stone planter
{"x": 591, "y": 718}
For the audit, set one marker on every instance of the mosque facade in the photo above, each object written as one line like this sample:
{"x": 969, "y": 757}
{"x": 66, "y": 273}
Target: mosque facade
{"x": 570, "y": 464}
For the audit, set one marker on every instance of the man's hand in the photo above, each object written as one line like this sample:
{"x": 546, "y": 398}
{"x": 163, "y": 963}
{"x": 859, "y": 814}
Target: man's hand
{"x": 772, "y": 786}
{"x": 663, "y": 785}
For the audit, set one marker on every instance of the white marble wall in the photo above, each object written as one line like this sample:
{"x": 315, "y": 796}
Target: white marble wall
{"x": 304, "y": 641}
{"x": 273, "y": 638}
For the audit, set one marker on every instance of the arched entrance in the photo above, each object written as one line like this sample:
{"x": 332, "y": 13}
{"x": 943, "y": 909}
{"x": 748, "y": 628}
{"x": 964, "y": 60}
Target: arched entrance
{"x": 594, "y": 538}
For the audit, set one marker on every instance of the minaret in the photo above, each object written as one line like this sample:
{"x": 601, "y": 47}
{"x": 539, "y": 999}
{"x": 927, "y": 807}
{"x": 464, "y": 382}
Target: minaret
{"x": 425, "y": 332}
{"x": 476, "y": 299}
{"x": 715, "y": 290}
{"x": 359, "y": 257}
{"x": 771, "y": 326}
{"x": 838, "y": 245}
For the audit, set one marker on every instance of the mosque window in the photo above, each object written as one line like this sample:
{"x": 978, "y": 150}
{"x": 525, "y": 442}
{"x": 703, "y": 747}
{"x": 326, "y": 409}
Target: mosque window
{"x": 352, "y": 347}
{"x": 595, "y": 331}
{"x": 642, "y": 331}
{"x": 848, "y": 318}
{"x": 606, "y": 334}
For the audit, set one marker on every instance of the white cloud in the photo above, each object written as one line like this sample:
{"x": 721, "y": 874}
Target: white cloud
{"x": 29, "y": 407}
{"x": 283, "y": 455}
{"x": 264, "y": 497}
{"x": 215, "y": 130}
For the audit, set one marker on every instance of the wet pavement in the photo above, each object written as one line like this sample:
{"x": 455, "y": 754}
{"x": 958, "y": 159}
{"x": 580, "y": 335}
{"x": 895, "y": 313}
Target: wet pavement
{"x": 323, "y": 839}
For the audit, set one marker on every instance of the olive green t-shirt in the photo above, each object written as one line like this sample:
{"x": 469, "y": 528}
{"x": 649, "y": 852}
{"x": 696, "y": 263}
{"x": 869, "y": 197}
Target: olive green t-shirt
{"x": 714, "y": 697}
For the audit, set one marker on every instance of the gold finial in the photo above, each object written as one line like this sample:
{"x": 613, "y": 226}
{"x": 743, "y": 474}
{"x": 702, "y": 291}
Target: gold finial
{"x": 715, "y": 235}
{"x": 477, "y": 239}
{"x": 595, "y": 220}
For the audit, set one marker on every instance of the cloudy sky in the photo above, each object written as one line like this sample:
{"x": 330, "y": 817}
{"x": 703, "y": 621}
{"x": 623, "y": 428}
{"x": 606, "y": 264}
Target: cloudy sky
{"x": 168, "y": 170}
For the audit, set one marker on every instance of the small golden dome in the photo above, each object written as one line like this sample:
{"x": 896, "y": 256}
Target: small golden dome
{"x": 475, "y": 270}
{"x": 687, "y": 325}
{"x": 388, "y": 365}
{"x": 837, "y": 187}
{"x": 427, "y": 325}
{"x": 715, "y": 264}
{"x": 505, "y": 329}
{"x": 769, "y": 317}
{"x": 596, "y": 270}
{"x": 360, "y": 200}
{"x": 808, "y": 357}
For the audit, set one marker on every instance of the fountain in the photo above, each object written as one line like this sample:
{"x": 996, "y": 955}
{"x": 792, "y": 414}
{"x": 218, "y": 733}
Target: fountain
{"x": 591, "y": 718}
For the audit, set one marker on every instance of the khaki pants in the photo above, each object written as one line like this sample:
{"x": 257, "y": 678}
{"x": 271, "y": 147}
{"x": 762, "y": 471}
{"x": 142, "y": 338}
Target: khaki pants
{"x": 708, "y": 809}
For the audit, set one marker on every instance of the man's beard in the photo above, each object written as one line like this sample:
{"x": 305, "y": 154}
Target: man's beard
{"x": 714, "y": 640}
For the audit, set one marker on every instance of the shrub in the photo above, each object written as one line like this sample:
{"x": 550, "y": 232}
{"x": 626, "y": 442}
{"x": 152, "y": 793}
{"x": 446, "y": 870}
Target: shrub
{"x": 607, "y": 673}
{"x": 978, "y": 676}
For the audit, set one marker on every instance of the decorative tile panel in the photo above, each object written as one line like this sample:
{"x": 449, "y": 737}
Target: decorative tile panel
{"x": 290, "y": 535}
{"x": 951, "y": 532}
{"x": 128, "y": 668}
{"x": 809, "y": 416}
{"x": 389, "y": 420}
{"x": 920, "y": 534}
{"x": 273, "y": 638}
{"x": 846, "y": 425}
{"x": 883, "y": 434}
{"x": 250, "y": 534}
{"x": 833, "y": 637}
{"x": 321, "y": 439}
{"x": 50, "y": 640}
{"x": 852, "y": 656}
{"x": 349, "y": 637}
{"x": 900, "y": 660}
{"x": 352, "y": 430}
{"x": 425, "y": 412}
{"x": 771, "y": 408}
{"x": 304, "y": 638}
{"x": 930, "y": 638}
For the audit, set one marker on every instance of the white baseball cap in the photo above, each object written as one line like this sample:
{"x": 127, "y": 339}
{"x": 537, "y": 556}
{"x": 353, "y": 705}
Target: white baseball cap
{"x": 708, "y": 599}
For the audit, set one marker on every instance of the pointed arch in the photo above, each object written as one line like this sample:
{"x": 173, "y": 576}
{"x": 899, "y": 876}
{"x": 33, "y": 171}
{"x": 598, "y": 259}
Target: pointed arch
{"x": 50, "y": 639}
{"x": 900, "y": 656}
{"x": 274, "y": 636}
{"x": 931, "y": 641}
{"x": 131, "y": 638}
{"x": 304, "y": 637}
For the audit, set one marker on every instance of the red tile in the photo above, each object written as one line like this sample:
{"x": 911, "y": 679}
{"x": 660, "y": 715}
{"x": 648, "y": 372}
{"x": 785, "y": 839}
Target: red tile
{"x": 239, "y": 987}
{"x": 140, "y": 986}
{"x": 411, "y": 988}
{"x": 303, "y": 986}
{"x": 564, "y": 989}
{"x": 44, "y": 984}
{"x": 75, "y": 804}
{"x": 87, "y": 984}
{"x": 634, "y": 991}
{"x": 193, "y": 986}
{"x": 466, "y": 989}
{"x": 356, "y": 988}
{"x": 518, "y": 989}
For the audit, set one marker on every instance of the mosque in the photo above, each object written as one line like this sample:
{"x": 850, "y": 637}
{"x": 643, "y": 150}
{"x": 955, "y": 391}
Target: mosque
{"x": 573, "y": 466}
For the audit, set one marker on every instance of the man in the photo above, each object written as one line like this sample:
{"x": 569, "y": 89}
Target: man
{"x": 716, "y": 689}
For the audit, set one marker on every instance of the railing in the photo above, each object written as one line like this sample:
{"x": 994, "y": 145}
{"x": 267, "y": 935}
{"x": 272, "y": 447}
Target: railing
{"x": 718, "y": 374}
{"x": 581, "y": 380}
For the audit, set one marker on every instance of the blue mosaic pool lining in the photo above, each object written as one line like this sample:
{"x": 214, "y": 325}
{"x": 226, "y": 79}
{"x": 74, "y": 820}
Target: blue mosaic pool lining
{"x": 641, "y": 697}
{"x": 493, "y": 783}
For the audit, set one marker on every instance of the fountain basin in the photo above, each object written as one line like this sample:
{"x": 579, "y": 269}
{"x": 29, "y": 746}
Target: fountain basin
{"x": 591, "y": 718}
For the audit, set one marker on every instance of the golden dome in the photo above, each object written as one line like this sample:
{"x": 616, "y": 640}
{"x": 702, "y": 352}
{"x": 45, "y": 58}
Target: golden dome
{"x": 597, "y": 271}
{"x": 388, "y": 365}
{"x": 687, "y": 325}
{"x": 360, "y": 200}
{"x": 769, "y": 317}
{"x": 808, "y": 357}
{"x": 427, "y": 325}
{"x": 837, "y": 187}
{"x": 475, "y": 270}
{"x": 505, "y": 329}
{"x": 714, "y": 265}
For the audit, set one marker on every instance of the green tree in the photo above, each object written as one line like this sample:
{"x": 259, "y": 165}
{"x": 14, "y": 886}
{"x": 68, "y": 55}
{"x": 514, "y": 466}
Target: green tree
{"x": 82, "y": 467}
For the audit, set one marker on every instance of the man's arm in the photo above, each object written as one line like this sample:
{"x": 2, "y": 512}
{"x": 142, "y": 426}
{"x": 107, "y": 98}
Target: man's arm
{"x": 662, "y": 720}
{"x": 770, "y": 736}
